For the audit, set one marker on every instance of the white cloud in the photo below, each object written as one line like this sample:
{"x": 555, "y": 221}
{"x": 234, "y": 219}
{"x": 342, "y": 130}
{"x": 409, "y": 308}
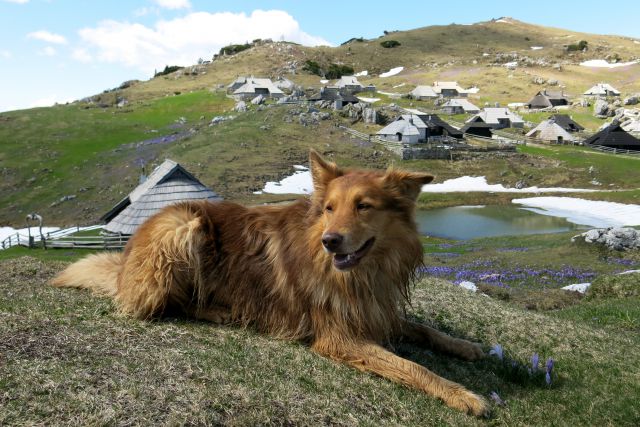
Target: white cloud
{"x": 17, "y": 1}
{"x": 81, "y": 55}
{"x": 6, "y": 54}
{"x": 182, "y": 40}
{"x": 47, "y": 36}
{"x": 173, "y": 4}
{"x": 48, "y": 51}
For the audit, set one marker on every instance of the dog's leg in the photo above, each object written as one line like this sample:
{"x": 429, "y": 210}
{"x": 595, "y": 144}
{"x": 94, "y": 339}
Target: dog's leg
{"x": 216, "y": 314}
{"x": 440, "y": 341}
{"x": 371, "y": 357}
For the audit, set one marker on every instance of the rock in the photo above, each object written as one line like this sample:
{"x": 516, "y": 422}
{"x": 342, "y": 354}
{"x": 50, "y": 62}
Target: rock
{"x": 258, "y": 100}
{"x": 121, "y": 102}
{"x": 553, "y": 82}
{"x": 520, "y": 184}
{"x": 601, "y": 108}
{"x": 615, "y": 238}
{"x": 539, "y": 80}
{"x": 240, "y": 107}
{"x": 369, "y": 115}
{"x": 632, "y": 100}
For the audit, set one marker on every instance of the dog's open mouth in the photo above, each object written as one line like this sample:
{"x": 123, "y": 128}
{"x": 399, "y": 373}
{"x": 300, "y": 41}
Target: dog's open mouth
{"x": 346, "y": 261}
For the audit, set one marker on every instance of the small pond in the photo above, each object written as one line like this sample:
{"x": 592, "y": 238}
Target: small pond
{"x": 470, "y": 222}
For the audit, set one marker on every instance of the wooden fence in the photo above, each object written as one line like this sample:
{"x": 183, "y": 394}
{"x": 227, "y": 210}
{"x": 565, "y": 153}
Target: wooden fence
{"x": 63, "y": 239}
{"x": 88, "y": 242}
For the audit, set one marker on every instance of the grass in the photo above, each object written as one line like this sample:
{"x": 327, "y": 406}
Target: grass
{"x": 67, "y": 359}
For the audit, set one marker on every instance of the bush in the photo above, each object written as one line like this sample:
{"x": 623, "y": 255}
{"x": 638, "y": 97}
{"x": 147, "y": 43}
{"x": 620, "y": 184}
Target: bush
{"x": 232, "y": 49}
{"x": 334, "y": 71}
{"x": 580, "y": 46}
{"x": 168, "y": 70}
{"x": 353, "y": 40}
{"x": 618, "y": 286}
{"x": 312, "y": 67}
{"x": 389, "y": 43}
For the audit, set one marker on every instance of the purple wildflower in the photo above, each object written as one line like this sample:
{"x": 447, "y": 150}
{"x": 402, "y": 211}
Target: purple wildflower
{"x": 535, "y": 359}
{"x": 494, "y": 396}
{"x": 497, "y": 351}
{"x": 549, "y": 369}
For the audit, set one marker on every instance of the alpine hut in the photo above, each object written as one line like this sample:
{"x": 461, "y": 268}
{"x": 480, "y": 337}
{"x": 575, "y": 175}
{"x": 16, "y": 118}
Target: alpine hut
{"x": 421, "y": 93}
{"x": 459, "y": 106}
{"x": 548, "y": 99}
{"x": 567, "y": 123}
{"x": 477, "y": 127}
{"x": 169, "y": 183}
{"x": 613, "y": 136}
{"x": 499, "y": 118}
{"x": 602, "y": 89}
{"x": 549, "y": 131}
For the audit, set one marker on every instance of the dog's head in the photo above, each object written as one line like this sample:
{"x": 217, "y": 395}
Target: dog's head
{"x": 361, "y": 211}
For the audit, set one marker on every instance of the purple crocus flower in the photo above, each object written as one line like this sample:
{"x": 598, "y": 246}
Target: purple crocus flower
{"x": 494, "y": 396}
{"x": 549, "y": 368}
{"x": 535, "y": 359}
{"x": 497, "y": 351}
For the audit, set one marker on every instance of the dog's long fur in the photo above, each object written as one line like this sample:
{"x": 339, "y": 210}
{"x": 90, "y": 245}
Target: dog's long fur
{"x": 266, "y": 267}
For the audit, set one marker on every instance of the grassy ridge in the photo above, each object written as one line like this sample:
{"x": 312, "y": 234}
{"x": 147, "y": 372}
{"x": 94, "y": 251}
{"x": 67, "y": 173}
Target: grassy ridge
{"x": 66, "y": 357}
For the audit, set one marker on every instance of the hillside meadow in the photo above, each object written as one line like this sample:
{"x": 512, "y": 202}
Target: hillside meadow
{"x": 68, "y": 359}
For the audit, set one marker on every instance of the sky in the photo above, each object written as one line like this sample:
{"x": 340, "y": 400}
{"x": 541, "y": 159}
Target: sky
{"x": 63, "y": 50}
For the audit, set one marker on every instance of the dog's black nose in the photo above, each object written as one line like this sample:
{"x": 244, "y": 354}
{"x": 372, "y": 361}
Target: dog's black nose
{"x": 332, "y": 241}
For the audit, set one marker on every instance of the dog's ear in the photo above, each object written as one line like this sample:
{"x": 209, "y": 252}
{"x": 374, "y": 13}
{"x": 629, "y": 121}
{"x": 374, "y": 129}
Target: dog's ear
{"x": 408, "y": 184}
{"x": 322, "y": 171}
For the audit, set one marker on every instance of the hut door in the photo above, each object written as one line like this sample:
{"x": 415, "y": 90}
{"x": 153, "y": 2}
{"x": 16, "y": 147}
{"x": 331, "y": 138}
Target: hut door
{"x": 560, "y": 140}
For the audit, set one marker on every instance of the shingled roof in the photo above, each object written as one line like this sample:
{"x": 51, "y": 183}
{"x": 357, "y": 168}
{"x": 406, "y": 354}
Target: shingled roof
{"x": 169, "y": 183}
{"x": 567, "y": 123}
{"x": 615, "y": 137}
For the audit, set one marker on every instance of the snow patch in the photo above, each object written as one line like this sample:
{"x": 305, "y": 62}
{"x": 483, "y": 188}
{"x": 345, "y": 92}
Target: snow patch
{"x": 473, "y": 89}
{"x": 362, "y": 73}
{"x": 537, "y": 47}
{"x": 577, "y": 287}
{"x": 298, "y": 183}
{"x": 400, "y": 85}
{"x": 580, "y": 211}
{"x": 324, "y": 81}
{"x": 479, "y": 183}
{"x": 369, "y": 100}
{"x": 510, "y": 64}
{"x": 468, "y": 285}
{"x": 503, "y": 21}
{"x": 601, "y": 63}
{"x": 392, "y": 72}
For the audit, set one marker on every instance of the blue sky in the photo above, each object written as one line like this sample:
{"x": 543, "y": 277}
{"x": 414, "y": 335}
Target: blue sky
{"x": 60, "y": 50}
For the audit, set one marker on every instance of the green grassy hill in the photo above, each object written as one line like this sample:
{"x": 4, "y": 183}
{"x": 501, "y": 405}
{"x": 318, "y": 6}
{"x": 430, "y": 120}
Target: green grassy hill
{"x": 95, "y": 151}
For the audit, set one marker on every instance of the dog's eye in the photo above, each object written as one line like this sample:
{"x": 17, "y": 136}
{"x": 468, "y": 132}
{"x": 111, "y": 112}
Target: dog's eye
{"x": 363, "y": 206}
{"x": 328, "y": 208}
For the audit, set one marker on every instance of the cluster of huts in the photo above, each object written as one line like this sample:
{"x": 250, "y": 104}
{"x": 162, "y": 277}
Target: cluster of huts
{"x": 417, "y": 127}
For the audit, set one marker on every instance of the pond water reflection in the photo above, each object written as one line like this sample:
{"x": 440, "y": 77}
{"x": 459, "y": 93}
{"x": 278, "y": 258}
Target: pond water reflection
{"x": 470, "y": 222}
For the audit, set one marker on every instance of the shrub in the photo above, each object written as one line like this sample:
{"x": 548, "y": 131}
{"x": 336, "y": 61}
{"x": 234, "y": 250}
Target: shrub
{"x": 168, "y": 69}
{"x": 232, "y": 49}
{"x": 618, "y": 286}
{"x": 353, "y": 40}
{"x": 313, "y": 67}
{"x": 336, "y": 71}
{"x": 580, "y": 46}
{"x": 389, "y": 43}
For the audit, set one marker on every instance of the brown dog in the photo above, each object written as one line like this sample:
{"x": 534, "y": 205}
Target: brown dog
{"x": 332, "y": 270}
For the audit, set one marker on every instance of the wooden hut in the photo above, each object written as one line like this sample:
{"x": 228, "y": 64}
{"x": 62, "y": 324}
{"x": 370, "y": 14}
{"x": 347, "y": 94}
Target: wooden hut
{"x": 567, "y": 123}
{"x": 477, "y": 127}
{"x": 613, "y": 136}
{"x": 169, "y": 183}
{"x": 548, "y": 99}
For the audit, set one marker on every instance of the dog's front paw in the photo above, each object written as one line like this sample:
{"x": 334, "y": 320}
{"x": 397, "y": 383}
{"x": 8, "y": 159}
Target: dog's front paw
{"x": 468, "y": 402}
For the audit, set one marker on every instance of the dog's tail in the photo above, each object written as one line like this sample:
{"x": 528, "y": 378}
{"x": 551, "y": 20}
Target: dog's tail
{"x": 97, "y": 272}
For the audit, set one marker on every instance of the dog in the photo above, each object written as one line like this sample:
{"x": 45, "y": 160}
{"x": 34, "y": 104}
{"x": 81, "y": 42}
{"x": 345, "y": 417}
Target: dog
{"x": 332, "y": 270}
